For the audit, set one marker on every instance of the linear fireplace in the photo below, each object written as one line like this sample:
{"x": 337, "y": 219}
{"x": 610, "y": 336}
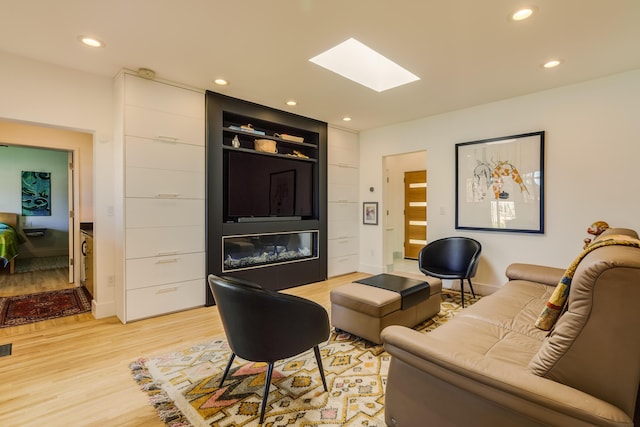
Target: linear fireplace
{"x": 242, "y": 252}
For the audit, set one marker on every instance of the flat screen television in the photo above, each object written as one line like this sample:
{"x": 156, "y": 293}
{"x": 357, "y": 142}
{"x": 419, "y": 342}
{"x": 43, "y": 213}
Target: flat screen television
{"x": 263, "y": 187}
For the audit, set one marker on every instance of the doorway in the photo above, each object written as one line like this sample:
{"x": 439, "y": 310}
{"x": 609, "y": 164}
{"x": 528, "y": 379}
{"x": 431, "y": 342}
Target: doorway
{"x": 397, "y": 258}
{"x": 49, "y": 243}
{"x": 37, "y": 190}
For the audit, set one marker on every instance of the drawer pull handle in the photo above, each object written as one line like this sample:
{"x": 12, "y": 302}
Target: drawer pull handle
{"x": 167, "y": 253}
{"x": 167, "y": 138}
{"x": 167, "y": 195}
{"x": 166, "y": 291}
{"x": 167, "y": 261}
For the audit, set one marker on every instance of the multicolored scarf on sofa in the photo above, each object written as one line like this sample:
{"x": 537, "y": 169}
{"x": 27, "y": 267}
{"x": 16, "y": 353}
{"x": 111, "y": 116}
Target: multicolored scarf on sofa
{"x": 554, "y": 307}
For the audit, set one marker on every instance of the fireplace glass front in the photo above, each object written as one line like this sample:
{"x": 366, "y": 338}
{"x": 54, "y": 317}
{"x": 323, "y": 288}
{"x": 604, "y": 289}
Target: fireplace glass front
{"x": 258, "y": 250}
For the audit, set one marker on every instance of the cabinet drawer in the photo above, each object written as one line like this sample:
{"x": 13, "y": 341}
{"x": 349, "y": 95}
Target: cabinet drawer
{"x": 163, "y": 97}
{"x": 150, "y": 153}
{"x": 341, "y": 211}
{"x": 342, "y": 193}
{"x": 342, "y": 175}
{"x": 343, "y": 157}
{"x": 342, "y": 229}
{"x": 342, "y": 265}
{"x": 146, "y": 123}
{"x": 342, "y": 247}
{"x": 145, "y": 272}
{"x": 161, "y": 212}
{"x": 157, "y": 300}
{"x": 164, "y": 241}
{"x": 144, "y": 182}
{"x": 343, "y": 148}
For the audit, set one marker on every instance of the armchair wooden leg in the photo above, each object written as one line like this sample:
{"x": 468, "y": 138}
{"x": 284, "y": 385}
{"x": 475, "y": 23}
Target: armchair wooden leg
{"x": 462, "y": 291}
{"x": 267, "y": 383}
{"x": 316, "y": 350}
{"x": 226, "y": 370}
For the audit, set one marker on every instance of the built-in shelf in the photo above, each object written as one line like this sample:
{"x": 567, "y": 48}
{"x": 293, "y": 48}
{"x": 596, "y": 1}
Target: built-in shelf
{"x": 235, "y": 242}
{"x": 286, "y": 156}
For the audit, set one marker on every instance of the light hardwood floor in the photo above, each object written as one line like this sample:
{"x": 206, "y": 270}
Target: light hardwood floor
{"x": 75, "y": 371}
{"x": 33, "y": 282}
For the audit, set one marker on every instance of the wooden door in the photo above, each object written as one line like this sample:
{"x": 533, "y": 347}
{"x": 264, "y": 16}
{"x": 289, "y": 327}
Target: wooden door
{"x": 415, "y": 212}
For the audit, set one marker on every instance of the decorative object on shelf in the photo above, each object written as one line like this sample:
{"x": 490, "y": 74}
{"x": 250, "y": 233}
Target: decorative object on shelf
{"x": 595, "y": 229}
{"x": 247, "y": 128}
{"x": 289, "y": 137}
{"x": 297, "y": 153}
{"x": 36, "y": 193}
{"x": 265, "y": 145}
{"x": 500, "y": 184}
{"x": 235, "y": 142}
{"x": 370, "y": 213}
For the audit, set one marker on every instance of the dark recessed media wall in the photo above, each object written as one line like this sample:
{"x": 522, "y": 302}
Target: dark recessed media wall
{"x": 266, "y": 194}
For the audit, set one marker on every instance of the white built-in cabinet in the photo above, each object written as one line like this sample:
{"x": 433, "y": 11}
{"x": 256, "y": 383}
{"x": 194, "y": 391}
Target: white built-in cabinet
{"x": 162, "y": 247}
{"x": 343, "y": 220}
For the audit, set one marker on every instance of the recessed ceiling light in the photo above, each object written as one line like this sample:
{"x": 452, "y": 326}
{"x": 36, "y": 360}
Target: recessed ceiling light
{"x": 221, "y": 82}
{"x": 358, "y": 62}
{"x": 522, "y": 14}
{"x": 552, "y": 64}
{"x": 346, "y": 119}
{"x": 291, "y": 102}
{"x": 90, "y": 41}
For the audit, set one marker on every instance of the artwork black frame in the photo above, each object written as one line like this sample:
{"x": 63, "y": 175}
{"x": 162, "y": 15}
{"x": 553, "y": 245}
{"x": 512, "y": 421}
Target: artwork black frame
{"x": 370, "y": 213}
{"x": 500, "y": 184}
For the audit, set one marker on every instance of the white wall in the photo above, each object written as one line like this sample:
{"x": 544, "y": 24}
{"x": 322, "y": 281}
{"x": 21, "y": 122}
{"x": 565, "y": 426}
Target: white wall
{"x": 591, "y": 168}
{"x": 41, "y": 93}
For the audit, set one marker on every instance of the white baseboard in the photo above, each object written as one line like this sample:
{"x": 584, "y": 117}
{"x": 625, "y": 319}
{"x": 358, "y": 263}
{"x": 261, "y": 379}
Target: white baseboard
{"x": 371, "y": 269}
{"x": 100, "y": 311}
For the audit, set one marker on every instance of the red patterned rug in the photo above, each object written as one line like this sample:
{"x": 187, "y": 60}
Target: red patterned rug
{"x": 23, "y": 309}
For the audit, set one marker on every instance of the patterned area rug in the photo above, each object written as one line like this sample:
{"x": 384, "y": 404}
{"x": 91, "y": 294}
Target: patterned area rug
{"x": 23, "y": 309}
{"x": 183, "y": 385}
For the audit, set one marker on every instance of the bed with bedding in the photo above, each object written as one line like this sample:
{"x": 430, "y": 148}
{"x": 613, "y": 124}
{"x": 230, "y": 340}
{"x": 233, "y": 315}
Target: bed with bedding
{"x": 9, "y": 240}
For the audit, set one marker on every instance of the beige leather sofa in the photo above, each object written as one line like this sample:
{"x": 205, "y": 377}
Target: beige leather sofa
{"x": 490, "y": 366}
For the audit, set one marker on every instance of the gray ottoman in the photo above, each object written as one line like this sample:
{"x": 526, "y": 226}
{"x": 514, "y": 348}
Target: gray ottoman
{"x": 365, "y": 310}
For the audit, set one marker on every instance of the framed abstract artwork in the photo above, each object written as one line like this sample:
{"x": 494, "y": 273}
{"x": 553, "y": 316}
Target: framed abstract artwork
{"x": 370, "y": 213}
{"x": 500, "y": 184}
{"x": 36, "y": 193}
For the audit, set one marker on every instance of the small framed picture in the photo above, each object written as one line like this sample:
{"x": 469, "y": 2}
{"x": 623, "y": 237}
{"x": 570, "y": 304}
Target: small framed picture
{"x": 370, "y": 213}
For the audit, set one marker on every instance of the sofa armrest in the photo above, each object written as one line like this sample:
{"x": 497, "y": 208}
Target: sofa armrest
{"x": 505, "y": 384}
{"x": 549, "y": 276}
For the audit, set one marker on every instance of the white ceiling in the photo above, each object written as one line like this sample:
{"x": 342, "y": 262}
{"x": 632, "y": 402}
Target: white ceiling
{"x": 466, "y": 52}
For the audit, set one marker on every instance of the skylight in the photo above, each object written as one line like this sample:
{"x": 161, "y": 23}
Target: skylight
{"x": 355, "y": 61}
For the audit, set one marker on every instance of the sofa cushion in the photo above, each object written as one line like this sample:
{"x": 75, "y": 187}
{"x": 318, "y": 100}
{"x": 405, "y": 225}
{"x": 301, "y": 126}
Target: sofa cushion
{"x": 554, "y": 306}
{"x": 501, "y": 327}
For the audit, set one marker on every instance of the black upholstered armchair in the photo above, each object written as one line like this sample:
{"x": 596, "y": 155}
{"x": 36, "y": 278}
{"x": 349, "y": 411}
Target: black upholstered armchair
{"x": 262, "y": 325}
{"x": 451, "y": 258}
